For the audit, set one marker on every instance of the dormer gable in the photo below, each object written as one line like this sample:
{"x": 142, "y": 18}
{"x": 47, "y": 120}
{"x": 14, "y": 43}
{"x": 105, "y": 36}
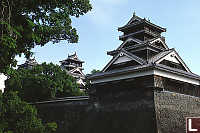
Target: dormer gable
{"x": 77, "y": 71}
{"x": 122, "y": 58}
{"x": 173, "y": 60}
{"x": 129, "y": 42}
{"x": 159, "y": 43}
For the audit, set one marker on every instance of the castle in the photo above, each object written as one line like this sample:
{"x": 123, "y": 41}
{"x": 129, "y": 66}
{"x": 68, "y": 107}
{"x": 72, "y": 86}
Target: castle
{"x": 144, "y": 59}
{"x": 145, "y": 88}
{"x": 147, "y": 81}
{"x": 72, "y": 65}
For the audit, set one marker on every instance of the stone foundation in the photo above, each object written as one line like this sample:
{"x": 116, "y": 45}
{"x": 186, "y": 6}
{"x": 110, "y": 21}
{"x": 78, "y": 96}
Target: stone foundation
{"x": 172, "y": 109}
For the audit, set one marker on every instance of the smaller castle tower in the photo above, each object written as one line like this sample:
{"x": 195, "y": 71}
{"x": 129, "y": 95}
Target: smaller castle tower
{"x": 73, "y": 66}
{"x": 29, "y": 63}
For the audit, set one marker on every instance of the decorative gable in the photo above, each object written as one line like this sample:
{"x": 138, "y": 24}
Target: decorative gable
{"x": 159, "y": 43}
{"x": 172, "y": 57}
{"x": 122, "y": 59}
{"x": 134, "y": 19}
{"x": 77, "y": 71}
{"x": 129, "y": 42}
{"x": 173, "y": 60}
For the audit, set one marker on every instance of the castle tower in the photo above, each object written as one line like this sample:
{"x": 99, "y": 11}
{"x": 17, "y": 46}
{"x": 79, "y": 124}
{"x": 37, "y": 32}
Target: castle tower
{"x": 74, "y": 67}
{"x": 29, "y": 63}
{"x": 142, "y": 68}
{"x": 144, "y": 52}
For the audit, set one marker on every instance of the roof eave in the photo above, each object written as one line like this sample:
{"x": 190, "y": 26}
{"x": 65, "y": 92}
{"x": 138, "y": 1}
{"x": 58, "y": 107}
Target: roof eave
{"x": 112, "y": 52}
{"x": 145, "y": 68}
{"x": 156, "y": 26}
{"x": 123, "y": 28}
{"x": 119, "y": 72}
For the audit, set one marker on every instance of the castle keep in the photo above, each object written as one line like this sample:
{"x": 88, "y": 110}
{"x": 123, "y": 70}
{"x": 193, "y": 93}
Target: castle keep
{"x": 147, "y": 80}
{"x": 144, "y": 60}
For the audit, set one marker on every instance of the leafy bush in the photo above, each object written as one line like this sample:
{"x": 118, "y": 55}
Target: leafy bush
{"x": 42, "y": 82}
{"x": 17, "y": 116}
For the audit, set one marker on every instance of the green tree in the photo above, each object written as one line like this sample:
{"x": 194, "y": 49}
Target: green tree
{"x": 27, "y": 23}
{"x": 95, "y": 71}
{"x": 23, "y": 25}
{"x": 42, "y": 82}
{"x": 17, "y": 116}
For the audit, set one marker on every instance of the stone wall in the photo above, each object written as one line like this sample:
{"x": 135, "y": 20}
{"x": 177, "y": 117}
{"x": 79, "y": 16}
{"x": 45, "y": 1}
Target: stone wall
{"x": 66, "y": 113}
{"x": 127, "y": 112}
{"x": 147, "y": 111}
{"x": 120, "y": 117}
{"x": 172, "y": 108}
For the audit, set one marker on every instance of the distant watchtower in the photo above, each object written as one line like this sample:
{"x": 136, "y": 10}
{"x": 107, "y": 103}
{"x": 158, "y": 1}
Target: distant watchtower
{"x": 74, "y": 67}
{"x": 28, "y": 64}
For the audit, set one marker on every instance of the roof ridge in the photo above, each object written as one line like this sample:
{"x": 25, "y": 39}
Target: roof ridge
{"x": 134, "y": 56}
{"x": 159, "y": 55}
{"x": 129, "y": 39}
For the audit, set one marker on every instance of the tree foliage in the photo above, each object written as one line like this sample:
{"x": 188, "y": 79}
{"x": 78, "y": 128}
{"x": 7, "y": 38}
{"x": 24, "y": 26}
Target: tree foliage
{"x": 27, "y": 23}
{"x": 95, "y": 71}
{"x": 17, "y": 116}
{"x": 42, "y": 82}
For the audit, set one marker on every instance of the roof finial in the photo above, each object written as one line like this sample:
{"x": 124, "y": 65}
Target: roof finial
{"x": 134, "y": 14}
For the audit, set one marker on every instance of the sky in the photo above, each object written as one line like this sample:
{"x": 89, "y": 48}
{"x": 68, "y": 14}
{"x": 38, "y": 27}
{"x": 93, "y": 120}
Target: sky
{"x": 98, "y": 31}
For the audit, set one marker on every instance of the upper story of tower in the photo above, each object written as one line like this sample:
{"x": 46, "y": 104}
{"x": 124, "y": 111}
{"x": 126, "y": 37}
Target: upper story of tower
{"x": 140, "y": 29}
{"x": 141, "y": 38}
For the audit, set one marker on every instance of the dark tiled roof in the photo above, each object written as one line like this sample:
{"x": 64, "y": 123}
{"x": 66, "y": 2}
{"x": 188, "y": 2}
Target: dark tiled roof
{"x": 72, "y": 59}
{"x": 140, "y": 20}
{"x": 150, "y": 66}
{"x": 142, "y": 43}
{"x": 177, "y": 71}
{"x": 120, "y": 71}
{"x": 159, "y": 56}
{"x": 134, "y": 56}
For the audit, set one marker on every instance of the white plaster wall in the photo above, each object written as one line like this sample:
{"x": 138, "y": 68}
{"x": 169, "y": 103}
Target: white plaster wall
{"x": 2, "y": 81}
{"x": 176, "y": 77}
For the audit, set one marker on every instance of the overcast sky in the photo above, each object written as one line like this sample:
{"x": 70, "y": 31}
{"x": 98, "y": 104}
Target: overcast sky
{"x": 98, "y": 31}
